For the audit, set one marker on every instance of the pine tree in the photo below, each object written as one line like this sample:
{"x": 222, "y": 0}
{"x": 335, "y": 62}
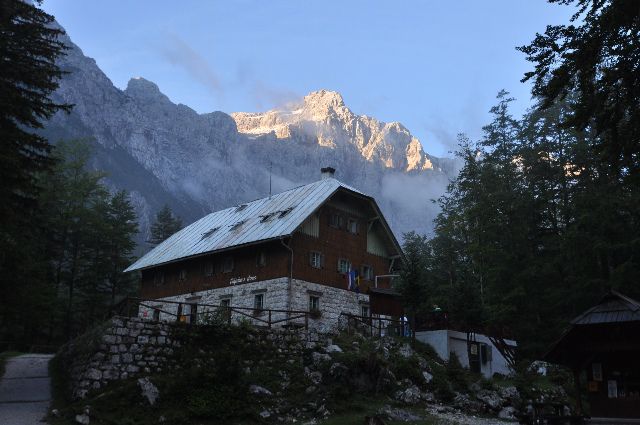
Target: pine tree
{"x": 166, "y": 224}
{"x": 29, "y": 47}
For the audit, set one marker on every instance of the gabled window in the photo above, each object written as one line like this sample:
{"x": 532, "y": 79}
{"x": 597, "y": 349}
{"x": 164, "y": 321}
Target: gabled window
{"x": 208, "y": 268}
{"x": 182, "y": 275}
{"x": 366, "y": 272}
{"x": 344, "y": 265}
{"x": 316, "y": 259}
{"x": 352, "y": 226}
{"x": 261, "y": 258}
{"x": 336, "y": 220}
{"x": 227, "y": 265}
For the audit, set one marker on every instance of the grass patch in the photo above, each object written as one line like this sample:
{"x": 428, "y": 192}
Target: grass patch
{"x": 4, "y": 356}
{"x": 361, "y": 407}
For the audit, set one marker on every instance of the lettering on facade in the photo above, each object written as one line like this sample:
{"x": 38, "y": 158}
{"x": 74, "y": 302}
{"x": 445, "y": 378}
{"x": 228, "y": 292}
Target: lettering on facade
{"x": 237, "y": 280}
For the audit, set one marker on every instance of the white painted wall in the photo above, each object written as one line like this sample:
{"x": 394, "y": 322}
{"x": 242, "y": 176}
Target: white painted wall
{"x": 447, "y": 341}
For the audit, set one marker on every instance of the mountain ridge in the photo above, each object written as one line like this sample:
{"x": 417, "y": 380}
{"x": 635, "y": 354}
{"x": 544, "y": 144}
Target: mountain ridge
{"x": 204, "y": 162}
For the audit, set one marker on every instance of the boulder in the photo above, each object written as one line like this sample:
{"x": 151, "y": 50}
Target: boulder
{"x": 491, "y": 399}
{"x": 333, "y": 349}
{"x": 149, "y": 391}
{"x": 427, "y": 377}
{"x": 508, "y": 412}
{"x": 405, "y": 351}
{"x": 409, "y": 396}
{"x": 320, "y": 357}
{"x": 510, "y": 393}
{"x": 83, "y": 419}
{"x": 257, "y": 389}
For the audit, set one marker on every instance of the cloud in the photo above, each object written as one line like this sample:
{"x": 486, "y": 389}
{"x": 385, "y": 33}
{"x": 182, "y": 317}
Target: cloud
{"x": 178, "y": 52}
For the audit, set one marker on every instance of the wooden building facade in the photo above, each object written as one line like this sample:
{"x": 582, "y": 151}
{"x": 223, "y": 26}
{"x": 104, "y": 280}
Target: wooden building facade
{"x": 602, "y": 347}
{"x": 315, "y": 239}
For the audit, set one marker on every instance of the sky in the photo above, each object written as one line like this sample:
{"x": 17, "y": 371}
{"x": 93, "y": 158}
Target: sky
{"x": 434, "y": 66}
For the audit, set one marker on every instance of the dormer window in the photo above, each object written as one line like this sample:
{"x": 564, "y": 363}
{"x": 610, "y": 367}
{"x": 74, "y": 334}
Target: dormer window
{"x": 285, "y": 212}
{"x": 209, "y": 232}
{"x": 267, "y": 217}
{"x": 237, "y": 225}
{"x": 241, "y": 207}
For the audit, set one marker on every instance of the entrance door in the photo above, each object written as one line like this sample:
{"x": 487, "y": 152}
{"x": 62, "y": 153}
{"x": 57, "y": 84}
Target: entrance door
{"x": 474, "y": 356}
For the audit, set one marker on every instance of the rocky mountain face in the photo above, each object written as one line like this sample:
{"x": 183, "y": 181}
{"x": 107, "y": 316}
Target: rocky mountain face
{"x": 163, "y": 152}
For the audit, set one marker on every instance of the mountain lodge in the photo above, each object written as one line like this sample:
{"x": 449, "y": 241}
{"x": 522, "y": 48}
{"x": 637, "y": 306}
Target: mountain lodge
{"x": 318, "y": 247}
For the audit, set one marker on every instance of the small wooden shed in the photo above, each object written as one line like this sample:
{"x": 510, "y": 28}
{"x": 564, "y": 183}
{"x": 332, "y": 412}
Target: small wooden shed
{"x": 602, "y": 345}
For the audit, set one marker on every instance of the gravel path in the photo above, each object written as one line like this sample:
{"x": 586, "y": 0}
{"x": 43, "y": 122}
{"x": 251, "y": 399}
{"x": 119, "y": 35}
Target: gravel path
{"x": 25, "y": 390}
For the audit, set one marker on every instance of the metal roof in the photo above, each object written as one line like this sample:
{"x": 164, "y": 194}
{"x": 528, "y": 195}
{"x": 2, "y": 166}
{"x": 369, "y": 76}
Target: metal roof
{"x": 613, "y": 307}
{"x": 263, "y": 219}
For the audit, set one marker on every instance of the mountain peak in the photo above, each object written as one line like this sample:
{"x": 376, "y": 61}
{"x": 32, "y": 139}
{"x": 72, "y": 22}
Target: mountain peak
{"x": 326, "y": 98}
{"x": 141, "y": 88}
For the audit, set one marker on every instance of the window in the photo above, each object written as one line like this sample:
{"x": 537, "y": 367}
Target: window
{"x": 209, "y": 232}
{"x": 267, "y": 217}
{"x": 316, "y": 259}
{"x": 366, "y": 272}
{"x": 352, "y": 226}
{"x": 285, "y": 212}
{"x": 336, "y": 220}
{"x": 226, "y": 302}
{"x": 258, "y": 302}
{"x": 364, "y": 311}
{"x": 237, "y": 225}
{"x": 314, "y": 303}
{"x": 208, "y": 268}
{"x": 261, "y": 259}
{"x": 158, "y": 278}
{"x": 227, "y": 266}
{"x": 241, "y": 207}
{"x": 182, "y": 276}
{"x": 344, "y": 266}
{"x": 156, "y": 315}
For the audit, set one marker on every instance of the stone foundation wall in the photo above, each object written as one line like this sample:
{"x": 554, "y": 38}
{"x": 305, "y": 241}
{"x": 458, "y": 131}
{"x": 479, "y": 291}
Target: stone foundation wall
{"x": 122, "y": 348}
{"x": 132, "y": 347}
{"x": 276, "y": 296}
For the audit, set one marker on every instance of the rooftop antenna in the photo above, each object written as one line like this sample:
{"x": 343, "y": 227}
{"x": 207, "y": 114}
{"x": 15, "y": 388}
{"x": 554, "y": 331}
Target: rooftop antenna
{"x": 270, "y": 168}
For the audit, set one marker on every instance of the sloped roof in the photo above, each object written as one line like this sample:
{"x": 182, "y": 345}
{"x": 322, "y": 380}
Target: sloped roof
{"x": 257, "y": 221}
{"x": 613, "y": 307}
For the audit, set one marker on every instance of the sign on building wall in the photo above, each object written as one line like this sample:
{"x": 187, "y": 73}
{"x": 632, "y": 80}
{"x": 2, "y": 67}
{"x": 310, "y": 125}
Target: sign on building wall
{"x": 237, "y": 280}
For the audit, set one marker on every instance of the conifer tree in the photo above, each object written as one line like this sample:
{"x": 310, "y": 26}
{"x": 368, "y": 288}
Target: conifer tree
{"x": 166, "y": 224}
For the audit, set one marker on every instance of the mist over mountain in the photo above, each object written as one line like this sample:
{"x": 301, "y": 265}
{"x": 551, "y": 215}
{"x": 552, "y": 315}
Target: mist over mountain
{"x": 162, "y": 152}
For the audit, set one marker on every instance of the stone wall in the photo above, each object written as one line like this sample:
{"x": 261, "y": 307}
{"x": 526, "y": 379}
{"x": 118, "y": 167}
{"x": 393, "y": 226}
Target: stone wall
{"x": 122, "y": 348}
{"x": 131, "y": 347}
{"x": 333, "y": 301}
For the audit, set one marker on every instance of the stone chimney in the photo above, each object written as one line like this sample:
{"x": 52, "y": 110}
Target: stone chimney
{"x": 327, "y": 172}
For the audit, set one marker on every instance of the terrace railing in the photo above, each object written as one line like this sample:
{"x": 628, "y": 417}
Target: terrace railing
{"x": 374, "y": 326}
{"x": 202, "y": 313}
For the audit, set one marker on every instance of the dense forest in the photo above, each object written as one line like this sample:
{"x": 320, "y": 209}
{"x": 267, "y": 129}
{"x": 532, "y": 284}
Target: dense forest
{"x": 542, "y": 220}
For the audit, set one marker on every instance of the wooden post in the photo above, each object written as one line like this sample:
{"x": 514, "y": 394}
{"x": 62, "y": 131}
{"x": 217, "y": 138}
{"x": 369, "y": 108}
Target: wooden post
{"x": 306, "y": 321}
{"x": 269, "y": 319}
{"x": 576, "y": 380}
{"x": 229, "y": 312}
{"x": 379, "y": 328}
